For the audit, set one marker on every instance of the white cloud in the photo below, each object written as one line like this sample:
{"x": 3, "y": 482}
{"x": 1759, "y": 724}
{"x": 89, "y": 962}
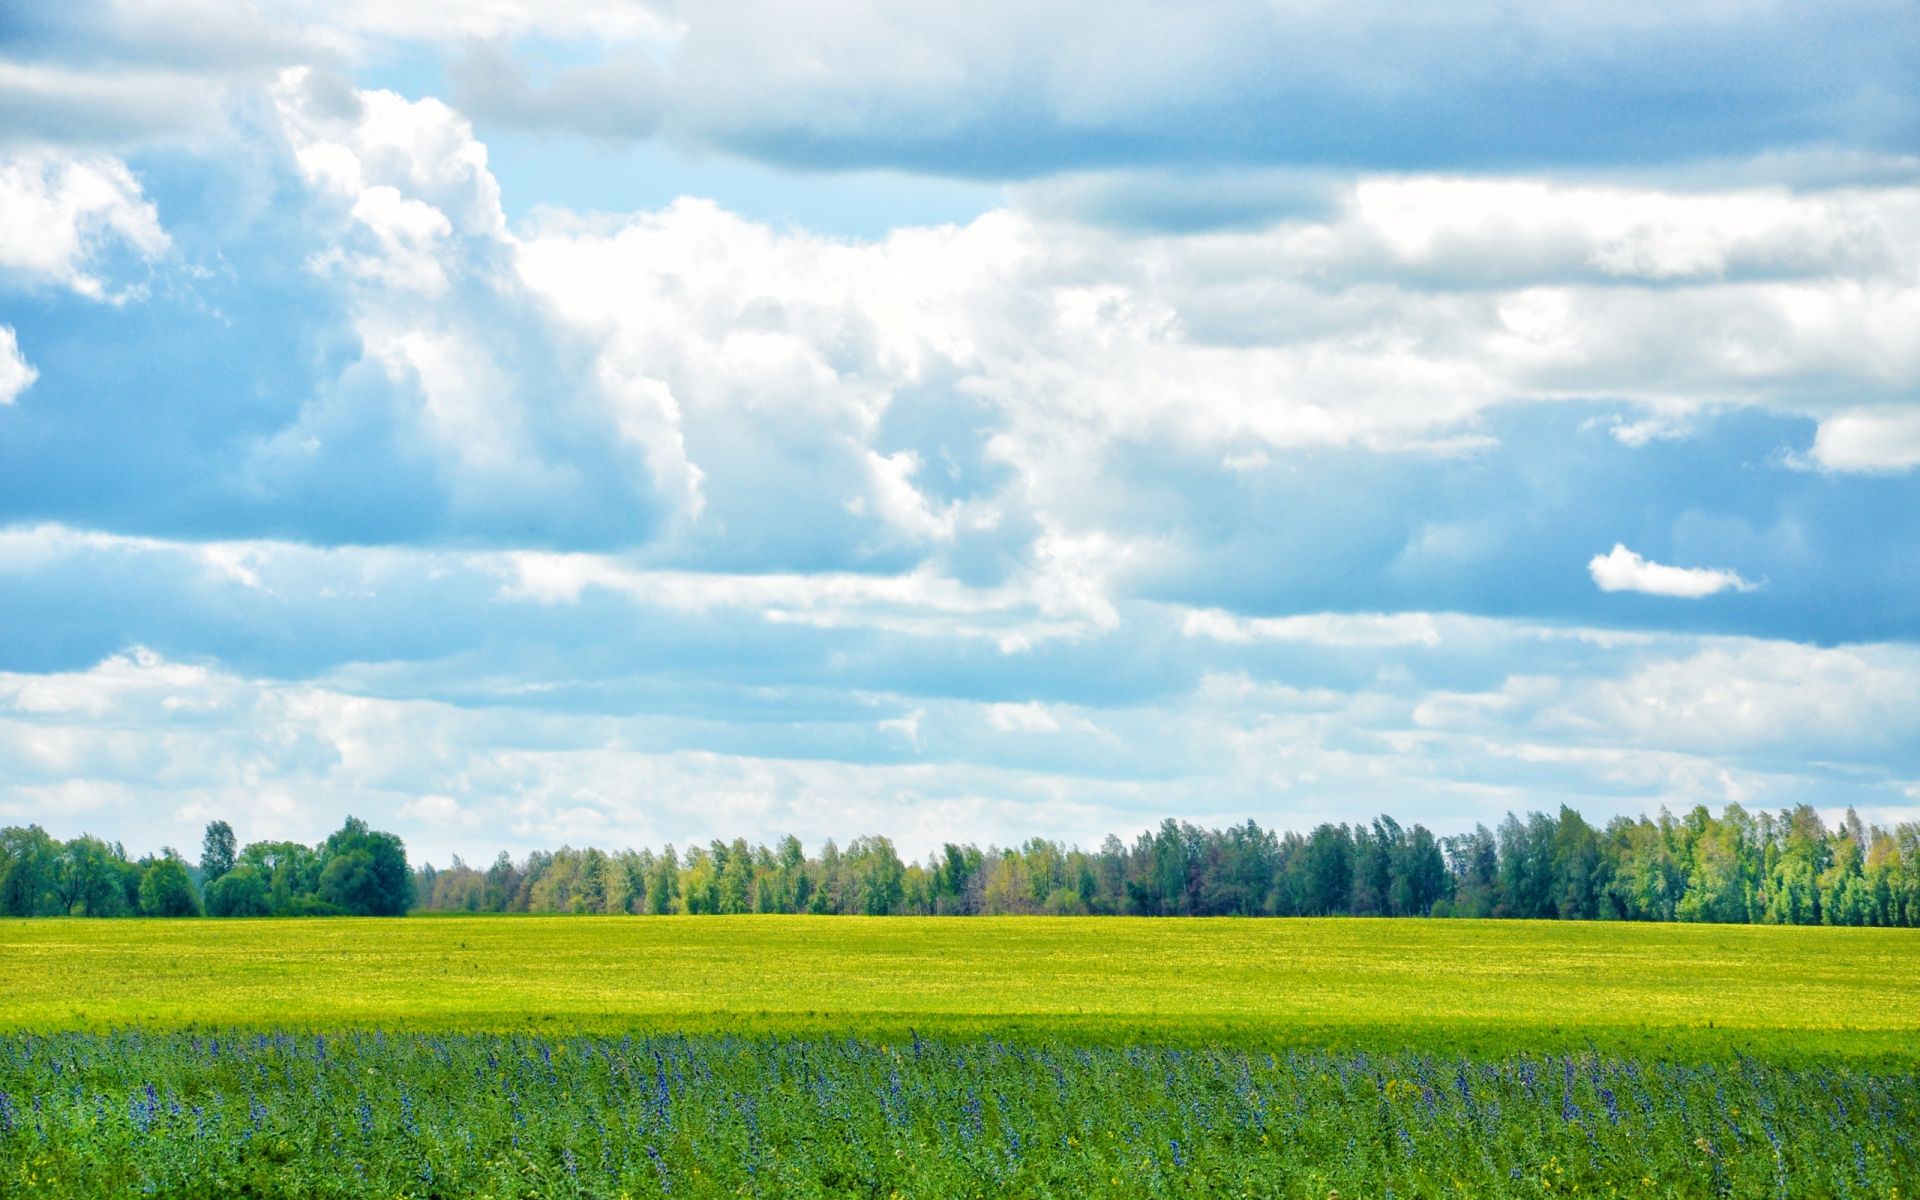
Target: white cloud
{"x": 1063, "y": 598}
{"x": 1327, "y": 629}
{"x": 1876, "y": 439}
{"x": 16, "y": 373}
{"x": 59, "y": 217}
{"x": 906, "y": 725}
{"x": 1621, "y": 570}
{"x": 481, "y": 382}
{"x": 1493, "y": 228}
{"x": 153, "y": 747}
{"x": 1803, "y": 703}
{"x": 1393, "y": 322}
{"x": 726, "y": 346}
{"x": 1655, "y": 427}
{"x": 744, "y": 377}
{"x": 437, "y": 812}
{"x": 1043, "y": 606}
{"x": 1031, "y": 717}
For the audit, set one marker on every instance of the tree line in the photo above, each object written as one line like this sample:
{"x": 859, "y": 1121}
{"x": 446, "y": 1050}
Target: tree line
{"x": 357, "y": 871}
{"x": 1776, "y": 868}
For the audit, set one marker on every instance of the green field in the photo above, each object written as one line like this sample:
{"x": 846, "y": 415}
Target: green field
{"x": 571, "y": 1057}
{"x": 1487, "y": 987}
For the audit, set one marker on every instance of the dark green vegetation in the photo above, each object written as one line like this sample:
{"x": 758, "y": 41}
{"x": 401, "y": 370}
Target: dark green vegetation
{"x": 357, "y": 871}
{"x": 1777, "y": 869}
{"x": 1781, "y": 869}
{"x": 415, "y": 1115}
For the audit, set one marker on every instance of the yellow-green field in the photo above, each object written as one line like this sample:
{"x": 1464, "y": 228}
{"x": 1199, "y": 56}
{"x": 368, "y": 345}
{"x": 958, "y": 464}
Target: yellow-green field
{"x": 1690, "y": 989}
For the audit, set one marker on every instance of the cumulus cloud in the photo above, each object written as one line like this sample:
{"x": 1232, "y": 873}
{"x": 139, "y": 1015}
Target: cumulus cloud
{"x": 16, "y": 373}
{"x": 1226, "y": 468}
{"x": 61, "y": 219}
{"x": 460, "y": 365}
{"x": 1875, "y": 439}
{"x": 1621, "y": 570}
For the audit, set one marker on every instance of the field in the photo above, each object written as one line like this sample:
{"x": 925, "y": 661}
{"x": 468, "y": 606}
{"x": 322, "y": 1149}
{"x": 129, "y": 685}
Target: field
{"x": 1701, "y": 990}
{"x": 895, "y": 1056}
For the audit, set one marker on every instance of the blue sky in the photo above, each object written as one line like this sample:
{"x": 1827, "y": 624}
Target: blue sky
{"x": 616, "y": 423}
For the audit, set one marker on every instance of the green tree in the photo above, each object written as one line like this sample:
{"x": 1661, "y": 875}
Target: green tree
{"x": 1579, "y": 868}
{"x": 1526, "y": 867}
{"x": 1419, "y": 874}
{"x": 734, "y": 876}
{"x": 1717, "y": 886}
{"x": 166, "y": 890}
{"x": 216, "y": 852}
{"x": 27, "y": 865}
{"x": 1474, "y": 865}
{"x": 663, "y": 883}
{"x": 240, "y": 892}
{"x": 699, "y": 883}
{"x": 366, "y": 872}
{"x": 87, "y": 878}
{"x": 1326, "y": 870}
{"x": 1647, "y": 881}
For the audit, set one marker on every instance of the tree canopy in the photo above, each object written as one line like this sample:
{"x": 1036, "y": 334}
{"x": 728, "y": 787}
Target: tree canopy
{"x": 1784, "y": 868}
{"x": 358, "y": 871}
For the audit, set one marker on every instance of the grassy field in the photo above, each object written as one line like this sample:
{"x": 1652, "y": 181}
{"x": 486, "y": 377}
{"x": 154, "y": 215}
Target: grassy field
{"x": 424, "y": 1116}
{"x": 1482, "y": 987}
{"x": 821, "y": 1057}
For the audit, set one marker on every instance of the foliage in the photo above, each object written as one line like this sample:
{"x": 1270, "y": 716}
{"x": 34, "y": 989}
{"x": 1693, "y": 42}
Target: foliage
{"x": 1479, "y": 987}
{"x": 240, "y": 892}
{"x": 1784, "y": 869}
{"x": 167, "y": 891}
{"x": 1737, "y": 868}
{"x": 378, "y": 1114}
{"x": 364, "y": 873}
{"x": 28, "y": 869}
{"x": 357, "y": 871}
{"x": 216, "y": 852}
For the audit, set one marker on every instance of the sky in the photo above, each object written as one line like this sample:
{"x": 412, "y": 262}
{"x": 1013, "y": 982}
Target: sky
{"x": 617, "y": 422}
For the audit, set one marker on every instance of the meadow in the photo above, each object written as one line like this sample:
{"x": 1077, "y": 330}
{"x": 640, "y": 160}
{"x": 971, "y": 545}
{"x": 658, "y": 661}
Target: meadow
{"x": 1482, "y": 986}
{"x": 779, "y": 1056}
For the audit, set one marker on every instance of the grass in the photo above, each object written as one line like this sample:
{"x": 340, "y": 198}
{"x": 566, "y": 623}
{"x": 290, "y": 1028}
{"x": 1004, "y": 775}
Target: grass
{"x": 489, "y": 1115}
{"x": 1684, "y": 991}
{"x": 570, "y": 1057}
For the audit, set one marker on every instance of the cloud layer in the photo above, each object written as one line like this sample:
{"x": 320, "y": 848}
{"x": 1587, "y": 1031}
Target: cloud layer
{"x": 1246, "y": 454}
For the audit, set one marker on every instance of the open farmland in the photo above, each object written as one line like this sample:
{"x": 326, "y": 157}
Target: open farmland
{"x": 1702, "y": 991}
{"x": 795, "y": 1056}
